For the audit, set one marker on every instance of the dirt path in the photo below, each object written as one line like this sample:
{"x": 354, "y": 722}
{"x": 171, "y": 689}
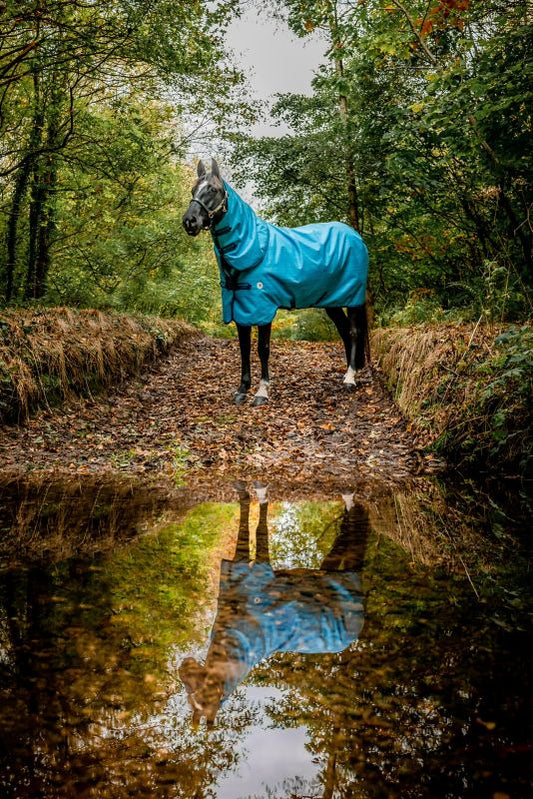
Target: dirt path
{"x": 177, "y": 422}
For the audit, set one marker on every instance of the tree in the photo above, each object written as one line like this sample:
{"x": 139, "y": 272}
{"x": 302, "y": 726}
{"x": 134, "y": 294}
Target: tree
{"x": 437, "y": 123}
{"x": 61, "y": 58}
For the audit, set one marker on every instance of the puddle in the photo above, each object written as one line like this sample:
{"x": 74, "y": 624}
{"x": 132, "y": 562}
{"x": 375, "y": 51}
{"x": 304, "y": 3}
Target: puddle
{"x": 342, "y": 647}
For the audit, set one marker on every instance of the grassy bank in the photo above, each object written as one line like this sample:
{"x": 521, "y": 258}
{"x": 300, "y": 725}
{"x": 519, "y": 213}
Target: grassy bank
{"x": 48, "y": 355}
{"x": 49, "y": 520}
{"x": 466, "y": 389}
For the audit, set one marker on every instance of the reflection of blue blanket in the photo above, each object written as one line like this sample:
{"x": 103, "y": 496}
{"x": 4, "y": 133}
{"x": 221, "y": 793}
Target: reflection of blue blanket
{"x": 260, "y": 612}
{"x": 264, "y": 267}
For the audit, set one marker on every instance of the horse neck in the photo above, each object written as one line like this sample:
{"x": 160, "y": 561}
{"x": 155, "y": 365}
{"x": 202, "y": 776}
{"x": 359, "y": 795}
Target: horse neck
{"x": 237, "y": 207}
{"x": 236, "y": 236}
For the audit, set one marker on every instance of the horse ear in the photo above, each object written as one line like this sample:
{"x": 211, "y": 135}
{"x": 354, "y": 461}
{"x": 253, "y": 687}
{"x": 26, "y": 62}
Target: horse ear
{"x": 200, "y": 170}
{"x": 214, "y": 169}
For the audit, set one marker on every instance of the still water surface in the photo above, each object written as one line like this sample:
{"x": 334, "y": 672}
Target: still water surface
{"x": 342, "y": 647}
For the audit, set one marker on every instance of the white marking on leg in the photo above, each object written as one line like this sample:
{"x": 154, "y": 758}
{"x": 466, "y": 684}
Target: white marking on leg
{"x": 349, "y": 377}
{"x": 262, "y": 391}
{"x": 348, "y": 500}
{"x": 261, "y": 492}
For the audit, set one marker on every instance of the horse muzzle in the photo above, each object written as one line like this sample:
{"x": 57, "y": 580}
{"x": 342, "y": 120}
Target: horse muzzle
{"x": 191, "y": 224}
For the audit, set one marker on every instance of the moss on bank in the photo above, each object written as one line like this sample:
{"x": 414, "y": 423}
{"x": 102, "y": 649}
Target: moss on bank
{"x": 466, "y": 389}
{"x": 47, "y": 355}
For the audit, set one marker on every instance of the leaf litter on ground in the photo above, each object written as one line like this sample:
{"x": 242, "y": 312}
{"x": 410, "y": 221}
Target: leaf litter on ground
{"x": 178, "y": 416}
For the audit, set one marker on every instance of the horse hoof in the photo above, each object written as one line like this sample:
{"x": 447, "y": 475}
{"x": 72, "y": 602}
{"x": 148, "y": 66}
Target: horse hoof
{"x": 259, "y": 401}
{"x": 350, "y": 387}
{"x": 239, "y": 398}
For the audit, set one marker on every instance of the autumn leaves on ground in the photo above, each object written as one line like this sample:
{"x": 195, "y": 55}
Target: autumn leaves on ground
{"x": 175, "y": 422}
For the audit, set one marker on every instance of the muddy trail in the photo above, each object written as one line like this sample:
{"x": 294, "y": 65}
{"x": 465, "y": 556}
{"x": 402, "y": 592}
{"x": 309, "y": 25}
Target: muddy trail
{"x": 171, "y": 629}
{"x": 177, "y": 422}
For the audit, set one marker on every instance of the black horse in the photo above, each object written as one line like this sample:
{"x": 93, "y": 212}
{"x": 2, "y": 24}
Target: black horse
{"x": 262, "y": 610}
{"x": 264, "y": 267}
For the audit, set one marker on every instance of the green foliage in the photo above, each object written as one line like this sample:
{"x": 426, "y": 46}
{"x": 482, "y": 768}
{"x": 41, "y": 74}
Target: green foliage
{"x": 93, "y": 109}
{"x": 427, "y": 107}
{"x": 436, "y": 127}
{"x": 311, "y": 324}
{"x": 508, "y": 397}
{"x": 123, "y": 245}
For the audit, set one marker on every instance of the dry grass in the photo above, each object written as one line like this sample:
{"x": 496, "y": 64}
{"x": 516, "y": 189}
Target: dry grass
{"x": 48, "y": 355}
{"x": 460, "y": 390}
{"x": 417, "y": 361}
{"x": 52, "y": 519}
{"x": 428, "y": 526}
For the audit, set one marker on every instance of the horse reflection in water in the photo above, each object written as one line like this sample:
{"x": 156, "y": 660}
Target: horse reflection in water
{"x": 262, "y": 611}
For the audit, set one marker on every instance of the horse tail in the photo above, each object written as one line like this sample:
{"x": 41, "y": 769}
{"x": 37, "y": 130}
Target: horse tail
{"x": 362, "y": 346}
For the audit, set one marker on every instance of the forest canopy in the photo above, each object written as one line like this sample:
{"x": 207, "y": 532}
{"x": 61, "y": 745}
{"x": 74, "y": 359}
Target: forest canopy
{"x": 417, "y": 132}
{"x": 95, "y": 100}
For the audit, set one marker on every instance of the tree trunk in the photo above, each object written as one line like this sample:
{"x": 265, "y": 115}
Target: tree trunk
{"x": 353, "y": 201}
{"x": 47, "y": 228}
{"x": 518, "y": 231}
{"x": 36, "y": 204}
{"x": 42, "y": 208}
{"x": 21, "y": 185}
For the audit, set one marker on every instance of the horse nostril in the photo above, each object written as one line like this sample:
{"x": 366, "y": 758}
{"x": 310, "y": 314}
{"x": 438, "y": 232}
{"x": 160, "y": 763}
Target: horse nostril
{"x": 191, "y": 226}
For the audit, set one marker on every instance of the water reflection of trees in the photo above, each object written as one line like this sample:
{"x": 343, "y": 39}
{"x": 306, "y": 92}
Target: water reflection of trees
{"x": 85, "y": 654}
{"x": 419, "y": 704}
{"x": 431, "y": 701}
{"x": 45, "y": 519}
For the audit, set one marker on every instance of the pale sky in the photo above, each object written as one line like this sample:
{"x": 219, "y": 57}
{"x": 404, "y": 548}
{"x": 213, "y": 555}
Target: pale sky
{"x": 272, "y": 58}
{"x": 273, "y": 61}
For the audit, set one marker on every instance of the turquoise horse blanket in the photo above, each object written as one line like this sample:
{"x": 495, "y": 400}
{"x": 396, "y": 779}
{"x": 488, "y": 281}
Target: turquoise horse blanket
{"x": 264, "y": 267}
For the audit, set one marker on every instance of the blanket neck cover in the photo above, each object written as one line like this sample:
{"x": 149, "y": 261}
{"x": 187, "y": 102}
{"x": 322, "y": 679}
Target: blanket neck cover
{"x": 264, "y": 267}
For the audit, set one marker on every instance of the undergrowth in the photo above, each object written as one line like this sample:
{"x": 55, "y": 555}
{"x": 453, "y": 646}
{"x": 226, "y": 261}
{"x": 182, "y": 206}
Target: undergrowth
{"x": 50, "y": 354}
{"x": 467, "y": 389}
{"x": 304, "y": 324}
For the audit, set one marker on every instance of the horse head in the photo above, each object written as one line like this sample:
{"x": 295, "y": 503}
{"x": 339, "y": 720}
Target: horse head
{"x": 209, "y": 200}
{"x": 204, "y": 686}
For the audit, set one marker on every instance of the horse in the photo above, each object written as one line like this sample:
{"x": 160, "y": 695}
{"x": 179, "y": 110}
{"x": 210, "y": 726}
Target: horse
{"x": 262, "y": 610}
{"x": 264, "y": 267}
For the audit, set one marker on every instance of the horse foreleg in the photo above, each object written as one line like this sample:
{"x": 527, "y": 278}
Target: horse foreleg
{"x": 245, "y": 343}
{"x": 263, "y": 350}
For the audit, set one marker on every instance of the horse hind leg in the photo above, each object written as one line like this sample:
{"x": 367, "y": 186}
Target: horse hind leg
{"x": 359, "y": 346}
{"x": 343, "y": 325}
{"x": 263, "y": 350}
